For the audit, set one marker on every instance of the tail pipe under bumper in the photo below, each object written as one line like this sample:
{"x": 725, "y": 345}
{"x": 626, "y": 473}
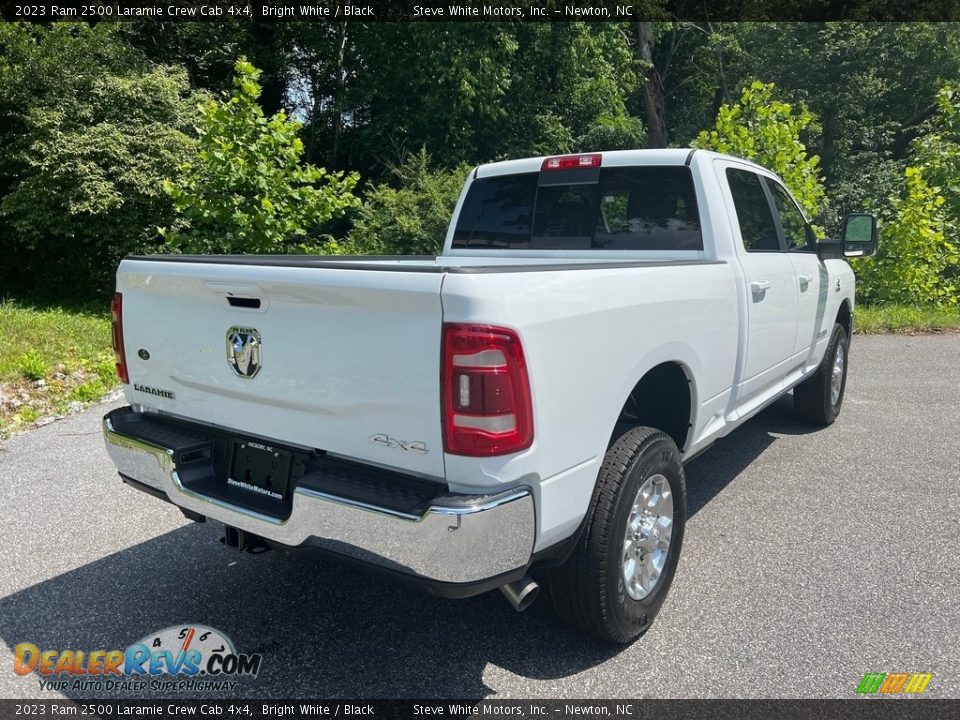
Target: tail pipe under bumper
{"x": 521, "y": 593}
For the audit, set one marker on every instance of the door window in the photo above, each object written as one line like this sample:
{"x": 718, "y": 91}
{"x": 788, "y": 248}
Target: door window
{"x": 791, "y": 219}
{"x": 757, "y": 227}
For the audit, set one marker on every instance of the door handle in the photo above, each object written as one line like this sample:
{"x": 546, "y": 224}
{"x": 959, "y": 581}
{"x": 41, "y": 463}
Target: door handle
{"x": 805, "y": 279}
{"x": 759, "y": 286}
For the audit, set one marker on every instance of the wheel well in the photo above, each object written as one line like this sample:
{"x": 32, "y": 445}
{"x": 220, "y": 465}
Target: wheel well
{"x": 845, "y": 317}
{"x": 662, "y": 400}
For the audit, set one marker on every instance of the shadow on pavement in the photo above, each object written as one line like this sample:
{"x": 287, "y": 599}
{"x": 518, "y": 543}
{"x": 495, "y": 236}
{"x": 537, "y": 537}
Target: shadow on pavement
{"x": 709, "y": 473}
{"x": 325, "y": 630}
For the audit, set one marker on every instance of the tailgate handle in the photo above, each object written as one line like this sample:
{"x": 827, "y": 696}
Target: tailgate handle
{"x": 243, "y": 302}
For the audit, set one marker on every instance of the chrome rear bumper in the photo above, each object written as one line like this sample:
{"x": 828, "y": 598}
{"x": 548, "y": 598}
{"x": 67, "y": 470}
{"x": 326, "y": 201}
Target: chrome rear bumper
{"x": 458, "y": 539}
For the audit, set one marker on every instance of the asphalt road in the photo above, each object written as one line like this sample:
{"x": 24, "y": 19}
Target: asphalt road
{"x": 811, "y": 557}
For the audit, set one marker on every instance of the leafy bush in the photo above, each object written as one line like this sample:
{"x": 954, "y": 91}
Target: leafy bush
{"x": 246, "y": 191}
{"x": 413, "y": 218}
{"x": 914, "y": 253}
{"x": 33, "y": 366}
{"x": 918, "y": 261}
{"x": 88, "y": 132}
{"x": 768, "y": 131}
{"x": 938, "y": 151}
{"x": 938, "y": 155}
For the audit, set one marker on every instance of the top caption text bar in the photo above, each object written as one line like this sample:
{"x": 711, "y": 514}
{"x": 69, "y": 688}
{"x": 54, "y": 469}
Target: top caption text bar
{"x": 469, "y": 11}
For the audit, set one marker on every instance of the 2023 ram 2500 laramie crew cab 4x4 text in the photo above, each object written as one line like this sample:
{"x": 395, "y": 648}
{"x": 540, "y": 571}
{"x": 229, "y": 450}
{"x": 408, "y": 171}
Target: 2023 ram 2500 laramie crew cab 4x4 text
{"x": 524, "y": 401}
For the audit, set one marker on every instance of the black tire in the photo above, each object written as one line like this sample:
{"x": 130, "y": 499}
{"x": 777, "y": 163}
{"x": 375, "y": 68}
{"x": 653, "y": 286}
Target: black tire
{"x": 813, "y": 398}
{"x": 588, "y": 590}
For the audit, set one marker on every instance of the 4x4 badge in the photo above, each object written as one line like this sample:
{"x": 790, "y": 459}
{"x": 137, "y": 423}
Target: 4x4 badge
{"x": 417, "y": 446}
{"x": 243, "y": 351}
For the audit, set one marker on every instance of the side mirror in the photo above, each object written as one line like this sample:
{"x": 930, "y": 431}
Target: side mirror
{"x": 859, "y": 236}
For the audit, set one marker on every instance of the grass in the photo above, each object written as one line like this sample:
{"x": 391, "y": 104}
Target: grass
{"x": 53, "y": 360}
{"x": 905, "y": 319}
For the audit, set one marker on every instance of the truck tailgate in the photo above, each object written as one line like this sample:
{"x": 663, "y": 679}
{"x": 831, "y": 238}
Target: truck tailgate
{"x": 349, "y": 358}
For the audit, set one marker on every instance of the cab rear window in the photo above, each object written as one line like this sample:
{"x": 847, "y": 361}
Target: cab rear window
{"x": 620, "y": 208}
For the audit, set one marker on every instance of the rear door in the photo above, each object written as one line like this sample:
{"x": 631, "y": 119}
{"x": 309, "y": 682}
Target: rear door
{"x": 342, "y": 360}
{"x": 770, "y": 279}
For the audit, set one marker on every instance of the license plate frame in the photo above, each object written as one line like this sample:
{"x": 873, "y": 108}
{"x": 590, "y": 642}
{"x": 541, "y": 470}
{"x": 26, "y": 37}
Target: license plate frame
{"x": 261, "y": 468}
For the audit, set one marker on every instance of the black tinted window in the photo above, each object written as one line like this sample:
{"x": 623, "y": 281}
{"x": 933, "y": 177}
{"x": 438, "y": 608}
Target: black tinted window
{"x": 753, "y": 211}
{"x": 630, "y": 208}
{"x": 791, "y": 219}
{"x": 648, "y": 209}
{"x": 565, "y": 217}
{"x": 497, "y": 212}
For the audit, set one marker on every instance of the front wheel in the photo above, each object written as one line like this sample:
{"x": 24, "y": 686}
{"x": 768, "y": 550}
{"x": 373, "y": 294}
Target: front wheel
{"x": 620, "y": 572}
{"x": 818, "y": 399}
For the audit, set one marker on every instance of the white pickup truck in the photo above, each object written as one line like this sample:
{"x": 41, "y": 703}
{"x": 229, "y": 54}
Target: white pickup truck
{"x": 524, "y": 402}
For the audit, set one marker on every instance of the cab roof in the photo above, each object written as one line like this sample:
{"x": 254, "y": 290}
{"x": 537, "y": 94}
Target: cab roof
{"x": 612, "y": 158}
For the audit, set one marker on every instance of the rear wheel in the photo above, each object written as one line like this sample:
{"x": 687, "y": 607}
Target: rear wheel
{"x": 620, "y": 572}
{"x": 818, "y": 399}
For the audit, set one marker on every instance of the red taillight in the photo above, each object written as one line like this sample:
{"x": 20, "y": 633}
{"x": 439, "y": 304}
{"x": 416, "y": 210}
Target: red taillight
{"x": 116, "y": 309}
{"x": 569, "y": 162}
{"x": 486, "y": 391}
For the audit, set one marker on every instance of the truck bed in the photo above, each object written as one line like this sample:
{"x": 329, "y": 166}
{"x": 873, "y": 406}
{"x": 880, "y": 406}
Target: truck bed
{"x": 351, "y": 345}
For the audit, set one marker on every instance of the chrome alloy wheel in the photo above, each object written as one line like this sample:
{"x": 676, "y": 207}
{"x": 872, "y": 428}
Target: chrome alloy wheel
{"x": 836, "y": 376}
{"x": 646, "y": 543}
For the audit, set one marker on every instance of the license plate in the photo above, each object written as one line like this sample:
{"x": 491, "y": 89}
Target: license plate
{"x": 261, "y": 468}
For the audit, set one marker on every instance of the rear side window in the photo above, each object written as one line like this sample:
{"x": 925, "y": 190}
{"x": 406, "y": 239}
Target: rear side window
{"x": 629, "y": 208}
{"x": 757, "y": 228}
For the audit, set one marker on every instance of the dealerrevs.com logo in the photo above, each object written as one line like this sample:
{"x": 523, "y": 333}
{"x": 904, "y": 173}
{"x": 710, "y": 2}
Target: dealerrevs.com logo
{"x": 179, "y": 658}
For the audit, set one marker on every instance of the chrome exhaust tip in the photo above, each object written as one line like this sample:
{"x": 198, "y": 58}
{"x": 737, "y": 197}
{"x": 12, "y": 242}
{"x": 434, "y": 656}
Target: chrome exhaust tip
{"x": 521, "y": 593}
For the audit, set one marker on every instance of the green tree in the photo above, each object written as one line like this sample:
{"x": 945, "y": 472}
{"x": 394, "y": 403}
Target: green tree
{"x": 914, "y": 256}
{"x": 870, "y": 84}
{"x": 88, "y": 132}
{"x": 768, "y": 131}
{"x": 209, "y": 51}
{"x": 937, "y": 153}
{"x": 246, "y": 190}
{"x": 919, "y": 256}
{"x": 472, "y": 93}
{"x": 569, "y": 87}
{"x": 436, "y": 84}
{"x": 411, "y": 219}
